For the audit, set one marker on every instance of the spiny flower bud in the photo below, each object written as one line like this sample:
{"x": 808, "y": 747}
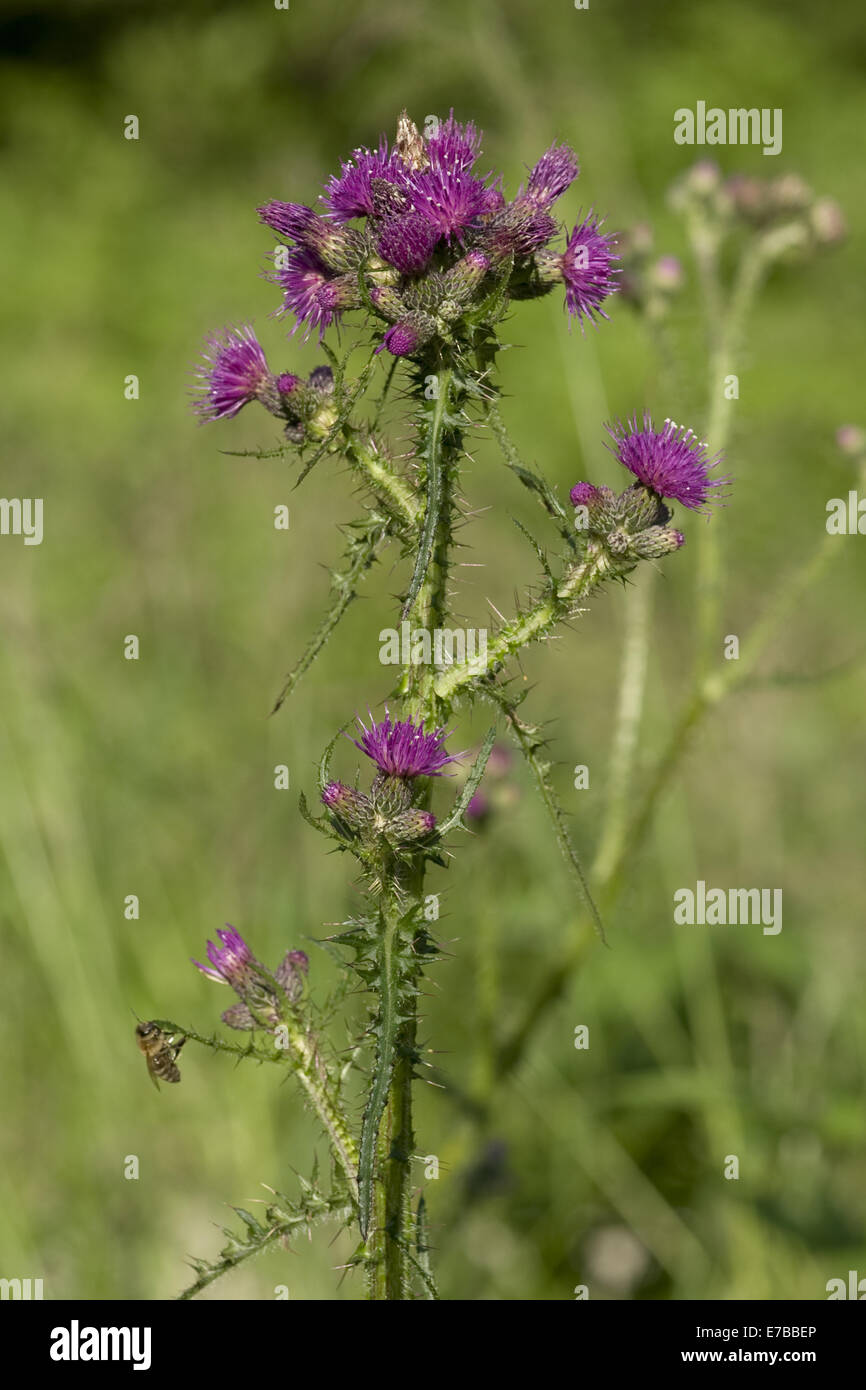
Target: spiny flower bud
{"x": 639, "y": 507}
{"x": 463, "y": 279}
{"x": 322, "y": 380}
{"x": 348, "y": 805}
{"x": 413, "y": 824}
{"x": 340, "y": 249}
{"x": 291, "y": 971}
{"x": 390, "y": 796}
{"x": 407, "y": 242}
{"x": 388, "y": 303}
{"x": 601, "y": 504}
{"x": 410, "y": 334}
{"x": 307, "y": 405}
{"x": 655, "y": 541}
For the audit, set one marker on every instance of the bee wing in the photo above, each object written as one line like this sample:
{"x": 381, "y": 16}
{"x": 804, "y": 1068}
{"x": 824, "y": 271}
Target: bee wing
{"x": 150, "y": 1071}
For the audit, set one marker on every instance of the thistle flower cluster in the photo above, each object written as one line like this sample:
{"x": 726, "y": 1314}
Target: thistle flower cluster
{"x": 264, "y": 998}
{"x": 429, "y": 248}
{"x": 414, "y": 234}
{"x": 403, "y": 752}
{"x": 234, "y": 372}
{"x": 670, "y": 463}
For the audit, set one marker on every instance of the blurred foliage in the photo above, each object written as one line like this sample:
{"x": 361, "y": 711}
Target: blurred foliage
{"x": 156, "y": 778}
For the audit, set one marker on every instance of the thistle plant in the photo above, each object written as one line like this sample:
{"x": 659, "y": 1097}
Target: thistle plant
{"x": 422, "y": 259}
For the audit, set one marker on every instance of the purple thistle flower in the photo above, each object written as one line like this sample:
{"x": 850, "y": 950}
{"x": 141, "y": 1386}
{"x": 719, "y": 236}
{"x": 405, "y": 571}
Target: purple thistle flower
{"x": 229, "y": 962}
{"x": 555, "y": 171}
{"x": 454, "y": 147}
{"x": 337, "y": 248}
{"x": 351, "y": 195}
{"x": 308, "y": 291}
{"x": 494, "y": 198}
{"x": 519, "y": 229}
{"x": 291, "y": 220}
{"x": 587, "y": 268}
{"x": 449, "y": 199}
{"x": 232, "y": 374}
{"x": 403, "y": 749}
{"x": 407, "y": 242}
{"x": 671, "y": 461}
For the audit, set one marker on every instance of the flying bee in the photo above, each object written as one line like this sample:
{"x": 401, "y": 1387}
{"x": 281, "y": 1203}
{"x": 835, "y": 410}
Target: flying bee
{"x": 161, "y": 1051}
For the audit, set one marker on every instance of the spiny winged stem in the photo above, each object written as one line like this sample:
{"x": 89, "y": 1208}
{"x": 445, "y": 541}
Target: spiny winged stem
{"x": 439, "y": 398}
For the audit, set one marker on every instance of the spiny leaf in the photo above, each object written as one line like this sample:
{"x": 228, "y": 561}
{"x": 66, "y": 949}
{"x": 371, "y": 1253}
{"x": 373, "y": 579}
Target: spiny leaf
{"x": 531, "y": 480}
{"x": 361, "y": 556}
{"x": 540, "y": 555}
{"x": 242, "y": 1245}
{"x": 527, "y": 741}
{"x": 472, "y": 783}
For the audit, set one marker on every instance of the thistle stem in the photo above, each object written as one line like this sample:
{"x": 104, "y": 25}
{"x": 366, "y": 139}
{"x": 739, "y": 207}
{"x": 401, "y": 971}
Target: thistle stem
{"x": 439, "y": 450}
{"x": 531, "y": 626}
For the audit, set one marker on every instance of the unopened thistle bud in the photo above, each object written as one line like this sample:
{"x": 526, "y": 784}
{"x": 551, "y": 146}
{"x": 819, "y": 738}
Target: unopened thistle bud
{"x": 347, "y": 805}
{"x": 600, "y": 504}
{"x": 338, "y": 248}
{"x": 656, "y": 541}
{"x": 388, "y": 303}
{"x": 409, "y": 335}
{"x": 413, "y": 824}
{"x": 463, "y": 279}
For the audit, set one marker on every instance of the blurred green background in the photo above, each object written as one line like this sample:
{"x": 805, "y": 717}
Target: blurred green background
{"x": 155, "y": 777}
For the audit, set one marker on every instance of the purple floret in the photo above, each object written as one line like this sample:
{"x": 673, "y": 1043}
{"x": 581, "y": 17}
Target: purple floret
{"x": 233, "y": 371}
{"x": 555, "y": 171}
{"x": 407, "y": 242}
{"x": 587, "y": 266}
{"x": 671, "y": 461}
{"x": 308, "y": 291}
{"x": 403, "y": 749}
{"x": 229, "y": 961}
{"x": 351, "y": 194}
